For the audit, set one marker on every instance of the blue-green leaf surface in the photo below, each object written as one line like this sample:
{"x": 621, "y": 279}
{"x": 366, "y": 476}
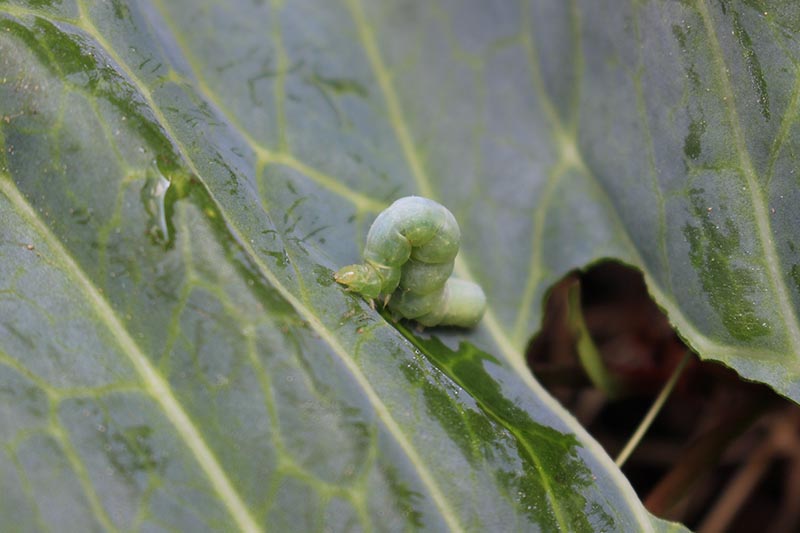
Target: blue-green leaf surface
{"x": 179, "y": 180}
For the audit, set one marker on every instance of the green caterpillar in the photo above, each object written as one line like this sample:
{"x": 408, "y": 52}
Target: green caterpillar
{"x": 409, "y": 257}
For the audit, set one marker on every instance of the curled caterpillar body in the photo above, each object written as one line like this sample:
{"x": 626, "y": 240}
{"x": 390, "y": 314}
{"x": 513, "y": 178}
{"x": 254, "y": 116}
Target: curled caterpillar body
{"x": 409, "y": 257}
{"x": 459, "y": 303}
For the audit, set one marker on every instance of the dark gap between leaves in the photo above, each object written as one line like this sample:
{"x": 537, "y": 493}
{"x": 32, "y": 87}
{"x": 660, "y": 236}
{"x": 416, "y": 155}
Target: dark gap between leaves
{"x": 717, "y": 440}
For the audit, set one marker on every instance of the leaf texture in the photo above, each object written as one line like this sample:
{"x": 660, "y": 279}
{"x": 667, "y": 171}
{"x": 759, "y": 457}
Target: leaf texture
{"x": 179, "y": 180}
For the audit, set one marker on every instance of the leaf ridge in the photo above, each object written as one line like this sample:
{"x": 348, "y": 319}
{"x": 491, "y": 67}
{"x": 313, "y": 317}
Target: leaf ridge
{"x": 155, "y": 385}
{"x": 561, "y": 167}
{"x": 756, "y": 197}
{"x": 789, "y": 118}
{"x": 265, "y": 155}
{"x": 650, "y": 152}
{"x": 537, "y": 236}
{"x": 61, "y": 436}
{"x": 383, "y": 77}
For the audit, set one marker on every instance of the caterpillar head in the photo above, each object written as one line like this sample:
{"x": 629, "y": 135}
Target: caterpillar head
{"x": 362, "y": 279}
